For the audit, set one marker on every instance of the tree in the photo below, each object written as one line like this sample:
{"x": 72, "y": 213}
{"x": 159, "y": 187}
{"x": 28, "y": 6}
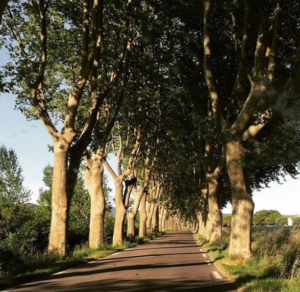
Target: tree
{"x": 243, "y": 100}
{"x": 266, "y": 217}
{"x": 282, "y": 220}
{"x": 57, "y": 77}
{"x": 296, "y": 221}
{"x": 3, "y": 5}
{"x": 11, "y": 179}
{"x": 79, "y": 210}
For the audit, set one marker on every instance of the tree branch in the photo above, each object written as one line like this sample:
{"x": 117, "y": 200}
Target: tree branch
{"x": 241, "y": 50}
{"x": 254, "y": 129}
{"x": 85, "y": 33}
{"x": 110, "y": 170}
{"x": 260, "y": 50}
{"x": 14, "y": 30}
{"x": 273, "y": 50}
{"x": 77, "y": 90}
{"x": 3, "y": 5}
{"x": 208, "y": 71}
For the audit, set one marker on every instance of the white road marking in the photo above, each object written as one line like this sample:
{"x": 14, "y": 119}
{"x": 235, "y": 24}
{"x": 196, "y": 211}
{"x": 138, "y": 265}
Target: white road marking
{"x": 115, "y": 254}
{"x": 204, "y": 255}
{"x": 200, "y": 249}
{"x": 217, "y": 275}
{"x": 61, "y": 272}
{"x": 128, "y": 249}
{"x": 208, "y": 262}
{"x": 10, "y": 289}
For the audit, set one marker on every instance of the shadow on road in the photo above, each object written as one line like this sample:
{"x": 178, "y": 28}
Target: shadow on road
{"x": 142, "y": 286}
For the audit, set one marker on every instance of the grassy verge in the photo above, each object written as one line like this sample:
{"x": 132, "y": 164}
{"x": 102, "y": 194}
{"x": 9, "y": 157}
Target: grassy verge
{"x": 274, "y": 266}
{"x": 37, "y": 266}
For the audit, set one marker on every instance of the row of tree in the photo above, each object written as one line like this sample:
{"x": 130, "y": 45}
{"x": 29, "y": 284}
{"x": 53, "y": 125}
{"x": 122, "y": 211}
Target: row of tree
{"x": 25, "y": 227}
{"x": 197, "y": 100}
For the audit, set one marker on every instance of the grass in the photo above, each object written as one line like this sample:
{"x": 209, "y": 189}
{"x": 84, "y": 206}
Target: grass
{"x": 40, "y": 265}
{"x": 274, "y": 266}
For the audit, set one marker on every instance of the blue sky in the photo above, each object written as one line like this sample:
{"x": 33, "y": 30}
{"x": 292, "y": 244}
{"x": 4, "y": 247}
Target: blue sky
{"x": 29, "y": 139}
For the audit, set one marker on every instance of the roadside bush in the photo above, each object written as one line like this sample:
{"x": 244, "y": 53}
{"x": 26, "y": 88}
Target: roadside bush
{"x": 296, "y": 222}
{"x": 10, "y": 254}
{"x": 281, "y": 247}
{"x": 274, "y": 266}
{"x": 281, "y": 221}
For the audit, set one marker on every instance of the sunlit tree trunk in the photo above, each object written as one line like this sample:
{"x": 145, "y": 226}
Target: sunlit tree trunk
{"x": 214, "y": 212}
{"x": 143, "y": 216}
{"x": 242, "y": 203}
{"x": 120, "y": 214}
{"x": 94, "y": 180}
{"x": 58, "y": 230}
{"x": 150, "y": 212}
{"x": 160, "y": 216}
{"x": 154, "y": 225}
{"x": 164, "y": 220}
{"x": 138, "y": 194}
{"x": 130, "y": 225}
{"x": 203, "y": 214}
{"x": 119, "y": 205}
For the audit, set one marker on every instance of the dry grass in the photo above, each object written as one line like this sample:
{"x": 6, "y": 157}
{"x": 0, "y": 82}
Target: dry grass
{"x": 275, "y": 265}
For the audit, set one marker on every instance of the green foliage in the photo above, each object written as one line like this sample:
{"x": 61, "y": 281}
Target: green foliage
{"x": 227, "y": 220}
{"x": 296, "y": 221}
{"x": 79, "y": 211}
{"x": 274, "y": 265}
{"x": 281, "y": 221}
{"x": 11, "y": 179}
{"x": 266, "y": 217}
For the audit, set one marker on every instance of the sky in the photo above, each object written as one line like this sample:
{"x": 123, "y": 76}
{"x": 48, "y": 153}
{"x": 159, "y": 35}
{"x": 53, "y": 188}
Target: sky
{"x": 30, "y": 141}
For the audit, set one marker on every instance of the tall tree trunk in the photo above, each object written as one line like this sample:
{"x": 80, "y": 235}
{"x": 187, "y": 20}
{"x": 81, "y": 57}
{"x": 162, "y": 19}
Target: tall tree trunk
{"x": 160, "y": 218}
{"x": 58, "y": 230}
{"x": 94, "y": 180}
{"x": 164, "y": 220}
{"x": 203, "y": 215}
{"x": 154, "y": 225}
{"x": 120, "y": 213}
{"x": 200, "y": 222}
{"x": 130, "y": 224}
{"x": 150, "y": 210}
{"x": 143, "y": 216}
{"x": 214, "y": 213}
{"x": 131, "y": 214}
{"x": 242, "y": 203}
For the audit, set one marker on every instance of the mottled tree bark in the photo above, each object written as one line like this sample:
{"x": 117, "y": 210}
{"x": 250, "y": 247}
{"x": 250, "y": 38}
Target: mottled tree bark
{"x": 94, "y": 180}
{"x": 242, "y": 203}
{"x": 143, "y": 216}
{"x": 149, "y": 211}
{"x": 164, "y": 221}
{"x": 160, "y": 216}
{"x": 119, "y": 205}
{"x": 214, "y": 213}
{"x": 58, "y": 230}
{"x": 203, "y": 214}
{"x": 154, "y": 225}
{"x": 120, "y": 213}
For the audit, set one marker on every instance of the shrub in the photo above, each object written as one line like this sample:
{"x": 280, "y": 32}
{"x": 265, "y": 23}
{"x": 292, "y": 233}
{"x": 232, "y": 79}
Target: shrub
{"x": 296, "y": 221}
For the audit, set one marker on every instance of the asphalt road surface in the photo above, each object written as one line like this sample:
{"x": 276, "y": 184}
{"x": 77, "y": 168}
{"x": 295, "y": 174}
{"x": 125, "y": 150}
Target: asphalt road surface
{"x": 172, "y": 262}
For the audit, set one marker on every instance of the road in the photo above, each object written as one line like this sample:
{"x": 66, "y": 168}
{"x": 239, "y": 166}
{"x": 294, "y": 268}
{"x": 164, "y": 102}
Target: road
{"x": 172, "y": 262}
